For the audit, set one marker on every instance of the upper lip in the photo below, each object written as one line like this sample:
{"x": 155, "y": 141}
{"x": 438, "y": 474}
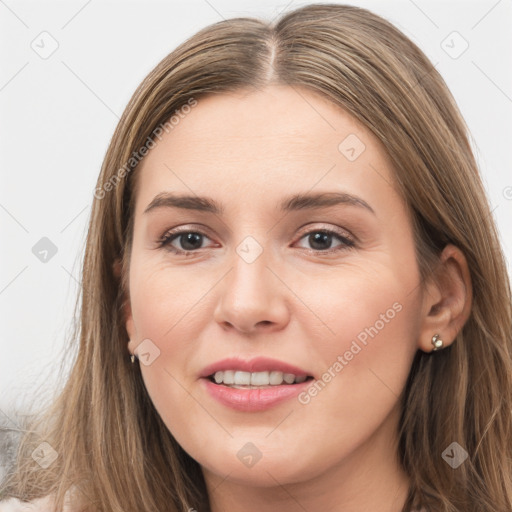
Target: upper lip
{"x": 258, "y": 364}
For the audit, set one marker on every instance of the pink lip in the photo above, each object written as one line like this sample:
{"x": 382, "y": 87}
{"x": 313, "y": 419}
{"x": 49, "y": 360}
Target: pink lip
{"x": 253, "y": 400}
{"x": 259, "y": 364}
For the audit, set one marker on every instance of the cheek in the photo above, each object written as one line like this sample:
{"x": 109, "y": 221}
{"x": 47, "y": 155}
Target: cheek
{"x": 361, "y": 301}
{"x": 365, "y": 360}
{"x": 371, "y": 317}
{"x": 167, "y": 300}
{"x": 169, "y": 310}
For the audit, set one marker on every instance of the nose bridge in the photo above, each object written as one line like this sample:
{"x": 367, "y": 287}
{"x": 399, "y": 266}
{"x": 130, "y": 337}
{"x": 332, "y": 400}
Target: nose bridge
{"x": 249, "y": 274}
{"x": 251, "y": 295}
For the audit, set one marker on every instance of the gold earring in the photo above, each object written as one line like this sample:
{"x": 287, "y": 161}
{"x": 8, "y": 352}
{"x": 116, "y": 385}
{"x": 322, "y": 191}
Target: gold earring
{"x": 132, "y": 356}
{"x": 437, "y": 342}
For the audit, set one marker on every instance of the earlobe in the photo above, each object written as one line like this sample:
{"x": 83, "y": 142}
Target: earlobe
{"x": 130, "y": 330}
{"x": 447, "y": 301}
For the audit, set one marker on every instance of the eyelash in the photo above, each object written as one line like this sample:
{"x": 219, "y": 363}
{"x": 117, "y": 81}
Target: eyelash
{"x": 165, "y": 241}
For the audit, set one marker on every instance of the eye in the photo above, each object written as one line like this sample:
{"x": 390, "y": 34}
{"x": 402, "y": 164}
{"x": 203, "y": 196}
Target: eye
{"x": 320, "y": 240}
{"x": 189, "y": 241}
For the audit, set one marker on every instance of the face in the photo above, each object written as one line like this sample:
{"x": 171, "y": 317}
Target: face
{"x": 306, "y": 311}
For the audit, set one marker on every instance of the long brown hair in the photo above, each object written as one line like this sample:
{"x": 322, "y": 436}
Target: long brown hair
{"x": 113, "y": 446}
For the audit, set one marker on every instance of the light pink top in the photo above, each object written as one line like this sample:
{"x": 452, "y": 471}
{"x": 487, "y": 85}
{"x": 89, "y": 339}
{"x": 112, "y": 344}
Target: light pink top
{"x": 40, "y": 505}
{"x": 43, "y": 505}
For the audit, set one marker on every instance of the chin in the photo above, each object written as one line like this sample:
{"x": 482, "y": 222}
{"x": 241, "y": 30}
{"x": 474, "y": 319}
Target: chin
{"x": 246, "y": 465}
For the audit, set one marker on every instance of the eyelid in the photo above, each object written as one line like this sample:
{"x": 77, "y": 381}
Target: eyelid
{"x": 343, "y": 233}
{"x": 165, "y": 241}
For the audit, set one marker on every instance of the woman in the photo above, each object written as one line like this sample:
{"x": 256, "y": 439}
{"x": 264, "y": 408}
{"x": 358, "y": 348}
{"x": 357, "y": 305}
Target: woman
{"x": 294, "y": 294}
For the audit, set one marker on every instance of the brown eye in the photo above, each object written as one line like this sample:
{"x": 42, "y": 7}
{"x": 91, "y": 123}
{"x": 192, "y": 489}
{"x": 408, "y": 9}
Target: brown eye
{"x": 189, "y": 241}
{"x": 321, "y": 240}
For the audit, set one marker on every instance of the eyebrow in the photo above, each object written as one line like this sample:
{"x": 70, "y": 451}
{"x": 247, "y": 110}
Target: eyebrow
{"x": 296, "y": 202}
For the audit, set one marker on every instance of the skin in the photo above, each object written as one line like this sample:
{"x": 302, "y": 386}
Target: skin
{"x": 248, "y": 151}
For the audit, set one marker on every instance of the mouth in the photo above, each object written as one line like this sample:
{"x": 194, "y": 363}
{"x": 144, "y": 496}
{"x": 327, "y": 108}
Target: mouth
{"x": 237, "y": 379}
{"x": 254, "y": 386}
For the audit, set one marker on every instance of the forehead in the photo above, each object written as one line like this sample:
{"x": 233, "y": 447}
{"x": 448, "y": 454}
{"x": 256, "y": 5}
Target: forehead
{"x": 264, "y": 144}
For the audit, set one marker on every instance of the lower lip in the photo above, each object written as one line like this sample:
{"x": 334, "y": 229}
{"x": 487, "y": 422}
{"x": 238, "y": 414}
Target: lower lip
{"x": 252, "y": 400}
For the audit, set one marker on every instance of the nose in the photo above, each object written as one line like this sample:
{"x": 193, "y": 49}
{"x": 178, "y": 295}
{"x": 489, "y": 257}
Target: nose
{"x": 252, "y": 298}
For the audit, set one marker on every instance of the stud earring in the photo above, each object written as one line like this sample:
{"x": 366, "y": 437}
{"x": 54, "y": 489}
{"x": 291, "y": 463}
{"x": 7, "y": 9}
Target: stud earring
{"x": 132, "y": 356}
{"x": 437, "y": 342}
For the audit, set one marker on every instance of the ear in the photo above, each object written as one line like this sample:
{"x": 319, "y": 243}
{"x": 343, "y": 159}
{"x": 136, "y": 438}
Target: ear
{"x": 447, "y": 299}
{"x": 127, "y": 310}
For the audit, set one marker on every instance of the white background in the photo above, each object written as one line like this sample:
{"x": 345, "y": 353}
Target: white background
{"x": 57, "y": 116}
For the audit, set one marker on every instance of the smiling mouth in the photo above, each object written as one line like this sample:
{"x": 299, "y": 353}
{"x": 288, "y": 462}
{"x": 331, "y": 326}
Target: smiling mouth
{"x": 256, "y": 380}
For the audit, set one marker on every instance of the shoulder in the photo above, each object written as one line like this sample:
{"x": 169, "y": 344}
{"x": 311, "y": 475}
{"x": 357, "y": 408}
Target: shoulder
{"x": 45, "y": 504}
{"x": 72, "y": 503}
{"x": 14, "y": 505}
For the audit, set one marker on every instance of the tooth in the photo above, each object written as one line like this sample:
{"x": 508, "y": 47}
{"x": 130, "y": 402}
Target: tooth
{"x": 276, "y": 378}
{"x": 242, "y": 378}
{"x": 259, "y": 379}
{"x": 229, "y": 377}
{"x": 289, "y": 378}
